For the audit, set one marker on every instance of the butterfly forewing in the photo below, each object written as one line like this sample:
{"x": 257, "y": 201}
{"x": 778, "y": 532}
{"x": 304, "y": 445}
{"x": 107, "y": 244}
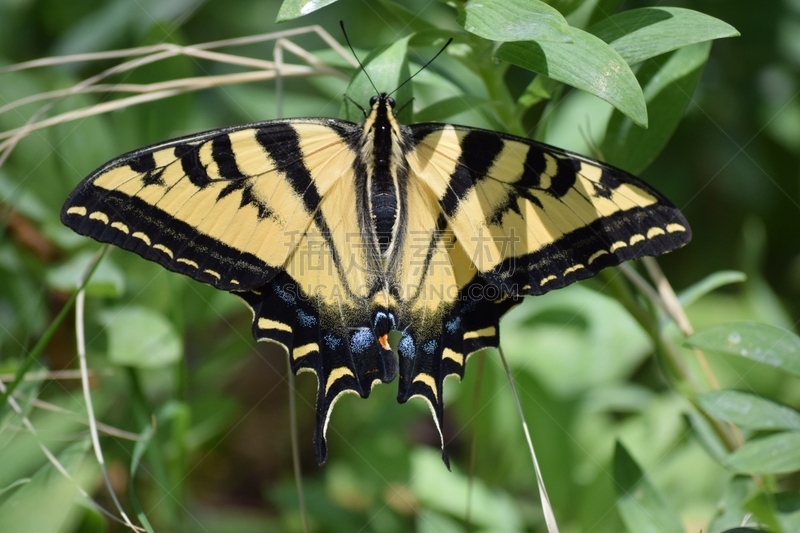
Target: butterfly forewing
{"x": 532, "y": 217}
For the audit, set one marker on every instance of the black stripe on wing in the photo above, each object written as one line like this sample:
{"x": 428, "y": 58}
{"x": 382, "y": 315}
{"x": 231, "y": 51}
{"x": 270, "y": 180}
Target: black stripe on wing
{"x": 134, "y": 225}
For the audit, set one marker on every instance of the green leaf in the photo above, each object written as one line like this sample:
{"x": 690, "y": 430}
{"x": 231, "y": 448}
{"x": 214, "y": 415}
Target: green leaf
{"x": 706, "y": 434}
{"x": 387, "y": 69}
{"x": 145, "y": 437}
{"x": 449, "y": 107}
{"x": 106, "y": 282}
{"x": 536, "y": 91}
{"x": 640, "y": 34}
{"x": 588, "y": 64}
{"x": 749, "y": 411}
{"x": 776, "y": 454}
{"x": 759, "y": 342}
{"x": 730, "y": 510}
{"x": 292, "y": 9}
{"x": 21, "y": 510}
{"x": 514, "y": 20}
{"x": 140, "y": 338}
{"x": 762, "y": 509}
{"x": 439, "y": 490}
{"x": 641, "y": 505}
{"x": 668, "y": 90}
{"x": 788, "y": 504}
{"x": 589, "y": 339}
{"x": 709, "y": 284}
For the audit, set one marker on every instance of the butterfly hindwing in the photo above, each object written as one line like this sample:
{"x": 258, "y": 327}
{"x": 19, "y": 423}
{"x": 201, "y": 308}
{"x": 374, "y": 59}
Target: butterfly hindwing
{"x": 344, "y": 359}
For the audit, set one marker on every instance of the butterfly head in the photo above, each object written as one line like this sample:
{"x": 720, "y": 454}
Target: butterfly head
{"x": 381, "y": 104}
{"x": 380, "y": 120}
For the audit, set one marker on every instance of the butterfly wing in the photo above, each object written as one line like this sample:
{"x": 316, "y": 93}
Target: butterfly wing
{"x": 220, "y": 206}
{"x": 258, "y": 210}
{"x": 512, "y": 217}
{"x": 322, "y": 308}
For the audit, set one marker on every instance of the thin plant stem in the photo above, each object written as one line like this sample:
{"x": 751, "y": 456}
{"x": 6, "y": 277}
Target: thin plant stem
{"x": 33, "y": 355}
{"x": 476, "y": 393}
{"x": 57, "y": 464}
{"x": 298, "y": 475}
{"x": 547, "y": 509}
{"x": 87, "y": 396}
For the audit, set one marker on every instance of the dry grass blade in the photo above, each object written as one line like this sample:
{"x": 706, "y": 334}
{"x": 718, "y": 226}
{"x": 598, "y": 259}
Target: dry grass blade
{"x": 87, "y": 396}
{"x": 547, "y": 508}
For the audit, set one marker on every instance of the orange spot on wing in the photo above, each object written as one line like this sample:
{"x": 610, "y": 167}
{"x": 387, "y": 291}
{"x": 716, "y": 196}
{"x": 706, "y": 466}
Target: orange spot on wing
{"x": 384, "y": 340}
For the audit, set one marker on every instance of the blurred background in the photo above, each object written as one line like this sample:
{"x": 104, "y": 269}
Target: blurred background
{"x": 220, "y": 456}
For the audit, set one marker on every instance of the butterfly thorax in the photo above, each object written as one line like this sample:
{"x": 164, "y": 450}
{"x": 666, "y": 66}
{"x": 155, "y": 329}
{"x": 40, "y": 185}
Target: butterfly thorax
{"x": 382, "y": 153}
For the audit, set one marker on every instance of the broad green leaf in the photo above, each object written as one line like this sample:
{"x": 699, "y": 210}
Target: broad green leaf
{"x": 408, "y": 17}
{"x": 668, "y": 90}
{"x": 573, "y": 340}
{"x": 788, "y": 504}
{"x": 641, "y": 505}
{"x": 761, "y": 506}
{"x": 709, "y": 284}
{"x": 707, "y": 435}
{"x": 535, "y": 92}
{"x": 639, "y": 34}
{"x": 54, "y": 430}
{"x": 439, "y": 490}
{"x": 514, "y": 20}
{"x": 449, "y": 107}
{"x": 432, "y": 522}
{"x": 602, "y": 10}
{"x": 140, "y": 338}
{"x": 292, "y": 9}
{"x": 749, "y": 411}
{"x": 106, "y": 282}
{"x": 759, "y": 342}
{"x": 779, "y": 511}
{"x": 22, "y": 510}
{"x": 387, "y": 69}
{"x": 776, "y": 454}
{"x": 588, "y": 64}
{"x": 731, "y": 512}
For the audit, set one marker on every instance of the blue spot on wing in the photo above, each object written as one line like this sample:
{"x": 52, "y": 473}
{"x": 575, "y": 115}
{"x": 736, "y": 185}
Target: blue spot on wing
{"x": 283, "y": 294}
{"x": 305, "y": 319}
{"x": 361, "y": 340}
{"x": 332, "y": 341}
{"x": 430, "y": 347}
{"x": 453, "y": 325}
{"x": 406, "y": 346}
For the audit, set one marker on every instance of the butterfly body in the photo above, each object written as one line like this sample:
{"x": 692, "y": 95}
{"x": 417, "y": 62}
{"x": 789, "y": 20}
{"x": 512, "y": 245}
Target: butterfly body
{"x": 336, "y": 233}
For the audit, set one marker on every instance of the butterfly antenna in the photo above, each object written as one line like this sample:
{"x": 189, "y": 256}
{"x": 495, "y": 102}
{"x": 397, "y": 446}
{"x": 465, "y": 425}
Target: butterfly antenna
{"x": 360, "y": 64}
{"x": 357, "y": 105}
{"x": 450, "y": 40}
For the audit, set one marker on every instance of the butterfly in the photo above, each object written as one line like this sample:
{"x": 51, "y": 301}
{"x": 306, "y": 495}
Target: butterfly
{"x": 337, "y": 233}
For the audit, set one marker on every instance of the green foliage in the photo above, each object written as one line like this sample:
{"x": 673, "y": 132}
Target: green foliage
{"x": 758, "y": 342}
{"x": 200, "y": 423}
{"x": 641, "y": 504}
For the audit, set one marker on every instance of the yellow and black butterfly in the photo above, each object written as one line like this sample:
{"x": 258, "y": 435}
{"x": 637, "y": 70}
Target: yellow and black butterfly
{"x": 336, "y": 233}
